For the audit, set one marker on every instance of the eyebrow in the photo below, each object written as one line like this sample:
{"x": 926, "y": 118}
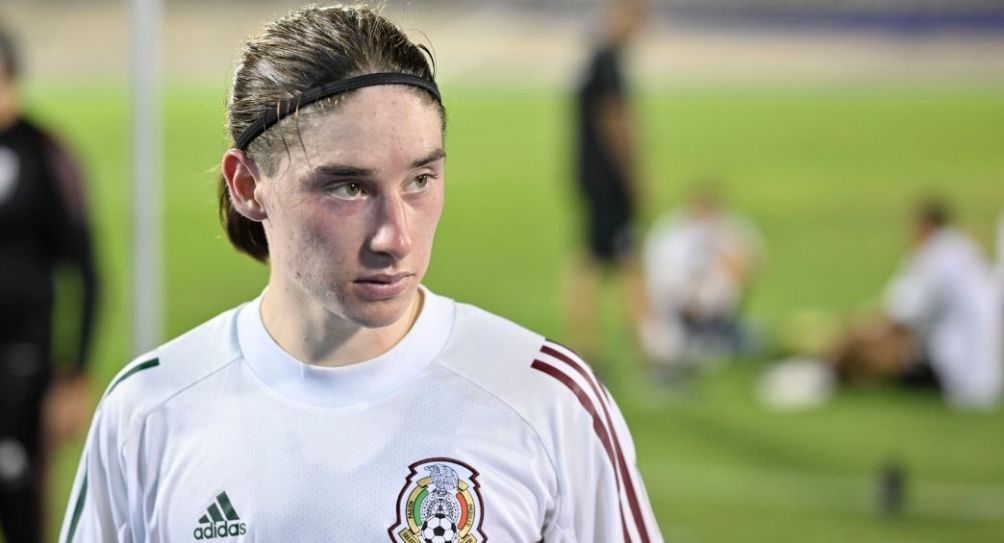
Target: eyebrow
{"x": 345, "y": 170}
{"x": 431, "y": 157}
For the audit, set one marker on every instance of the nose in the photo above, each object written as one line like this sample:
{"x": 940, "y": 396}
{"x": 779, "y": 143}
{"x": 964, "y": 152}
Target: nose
{"x": 391, "y": 236}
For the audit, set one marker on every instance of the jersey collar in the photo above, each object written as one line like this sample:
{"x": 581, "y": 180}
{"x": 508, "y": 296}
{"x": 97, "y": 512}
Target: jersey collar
{"x": 360, "y": 383}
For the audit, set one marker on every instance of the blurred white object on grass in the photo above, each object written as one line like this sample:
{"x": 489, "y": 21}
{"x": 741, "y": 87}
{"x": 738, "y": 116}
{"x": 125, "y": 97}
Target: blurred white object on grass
{"x": 797, "y": 383}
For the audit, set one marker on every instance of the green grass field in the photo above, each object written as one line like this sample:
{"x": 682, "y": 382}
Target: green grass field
{"x": 827, "y": 174}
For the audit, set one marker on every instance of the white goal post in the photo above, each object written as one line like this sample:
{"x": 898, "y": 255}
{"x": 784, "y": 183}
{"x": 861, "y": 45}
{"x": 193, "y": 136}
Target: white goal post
{"x": 147, "y": 197}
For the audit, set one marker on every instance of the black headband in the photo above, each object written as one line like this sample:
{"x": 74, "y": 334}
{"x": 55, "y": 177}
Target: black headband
{"x": 313, "y": 94}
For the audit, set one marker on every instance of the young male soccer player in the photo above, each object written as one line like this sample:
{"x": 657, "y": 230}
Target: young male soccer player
{"x": 348, "y": 402}
{"x": 43, "y": 224}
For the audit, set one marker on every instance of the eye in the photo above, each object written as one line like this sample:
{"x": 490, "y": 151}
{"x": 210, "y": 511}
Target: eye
{"x": 348, "y": 190}
{"x": 420, "y": 182}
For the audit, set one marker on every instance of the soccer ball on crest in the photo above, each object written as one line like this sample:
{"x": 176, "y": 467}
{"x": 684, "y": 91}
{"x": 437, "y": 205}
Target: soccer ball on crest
{"x": 438, "y": 529}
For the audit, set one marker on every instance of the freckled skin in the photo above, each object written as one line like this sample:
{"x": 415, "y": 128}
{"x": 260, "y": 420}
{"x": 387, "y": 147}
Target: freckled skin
{"x": 323, "y": 236}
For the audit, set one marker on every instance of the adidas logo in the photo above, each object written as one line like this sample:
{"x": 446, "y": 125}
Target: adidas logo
{"x": 220, "y": 521}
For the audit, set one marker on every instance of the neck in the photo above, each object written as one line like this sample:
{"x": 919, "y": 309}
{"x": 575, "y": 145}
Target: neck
{"x": 315, "y": 335}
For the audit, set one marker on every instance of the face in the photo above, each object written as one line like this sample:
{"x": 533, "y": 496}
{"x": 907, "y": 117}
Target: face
{"x": 351, "y": 214}
{"x": 625, "y": 19}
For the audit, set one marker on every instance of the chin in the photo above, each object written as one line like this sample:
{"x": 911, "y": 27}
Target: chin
{"x": 378, "y": 314}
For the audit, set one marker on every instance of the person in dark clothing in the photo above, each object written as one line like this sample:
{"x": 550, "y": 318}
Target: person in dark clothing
{"x": 604, "y": 161}
{"x": 43, "y": 224}
{"x": 606, "y": 180}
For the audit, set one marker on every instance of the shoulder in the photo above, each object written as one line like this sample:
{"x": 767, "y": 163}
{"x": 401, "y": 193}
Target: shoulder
{"x": 608, "y": 65}
{"x": 607, "y": 57}
{"x": 30, "y": 130}
{"x": 602, "y": 72}
{"x": 153, "y": 378}
{"x": 948, "y": 253}
{"x": 58, "y": 163}
{"x": 480, "y": 335}
{"x": 548, "y": 385}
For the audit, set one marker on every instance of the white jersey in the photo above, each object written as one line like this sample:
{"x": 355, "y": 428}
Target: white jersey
{"x": 947, "y": 293}
{"x": 470, "y": 429}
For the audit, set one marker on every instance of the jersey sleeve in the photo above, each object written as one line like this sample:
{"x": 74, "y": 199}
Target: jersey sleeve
{"x": 601, "y": 493}
{"x": 69, "y": 236}
{"x": 106, "y": 501}
{"x": 98, "y": 507}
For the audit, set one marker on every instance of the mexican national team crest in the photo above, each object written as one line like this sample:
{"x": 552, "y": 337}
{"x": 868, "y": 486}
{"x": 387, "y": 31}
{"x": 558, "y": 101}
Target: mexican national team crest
{"x": 440, "y": 503}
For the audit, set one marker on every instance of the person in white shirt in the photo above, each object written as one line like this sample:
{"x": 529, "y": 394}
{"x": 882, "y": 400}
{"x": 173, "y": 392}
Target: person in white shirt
{"x": 699, "y": 262}
{"x": 348, "y": 402}
{"x": 939, "y": 327}
{"x": 946, "y": 294}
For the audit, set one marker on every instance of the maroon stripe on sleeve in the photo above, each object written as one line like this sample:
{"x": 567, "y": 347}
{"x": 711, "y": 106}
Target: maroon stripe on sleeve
{"x": 579, "y": 366}
{"x": 598, "y": 427}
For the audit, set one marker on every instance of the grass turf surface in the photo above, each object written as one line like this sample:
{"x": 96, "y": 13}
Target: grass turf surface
{"x": 827, "y": 175}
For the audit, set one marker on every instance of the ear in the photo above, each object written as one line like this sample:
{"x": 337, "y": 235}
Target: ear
{"x": 242, "y": 179}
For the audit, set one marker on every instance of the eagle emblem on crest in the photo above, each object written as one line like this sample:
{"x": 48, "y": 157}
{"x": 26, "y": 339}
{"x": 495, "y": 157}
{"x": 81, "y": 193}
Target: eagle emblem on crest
{"x": 440, "y": 503}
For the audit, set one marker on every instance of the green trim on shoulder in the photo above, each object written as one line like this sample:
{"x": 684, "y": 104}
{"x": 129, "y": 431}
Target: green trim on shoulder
{"x": 138, "y": 368}
{"x": 78, "y": 509}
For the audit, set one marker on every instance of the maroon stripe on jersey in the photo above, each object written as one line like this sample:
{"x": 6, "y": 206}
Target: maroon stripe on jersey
{"x": 598, "y": 427}
{"x": 579, "y": 366}
{"x": 554, "y": 353}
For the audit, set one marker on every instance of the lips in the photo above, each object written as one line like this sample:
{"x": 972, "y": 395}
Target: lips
{"x": 383, "y": 286}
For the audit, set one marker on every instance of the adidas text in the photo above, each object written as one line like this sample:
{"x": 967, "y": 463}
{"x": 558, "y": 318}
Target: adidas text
{"x": 221, "y": 529}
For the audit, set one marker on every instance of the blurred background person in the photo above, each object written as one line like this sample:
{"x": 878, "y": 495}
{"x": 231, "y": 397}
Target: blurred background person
{"x": 43, "y": 224}
{"x": 939, "y": 328}
{"x": 699, "y": 264}
{"x": 946, "y": 295}
{"x": 607, "y": 180}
